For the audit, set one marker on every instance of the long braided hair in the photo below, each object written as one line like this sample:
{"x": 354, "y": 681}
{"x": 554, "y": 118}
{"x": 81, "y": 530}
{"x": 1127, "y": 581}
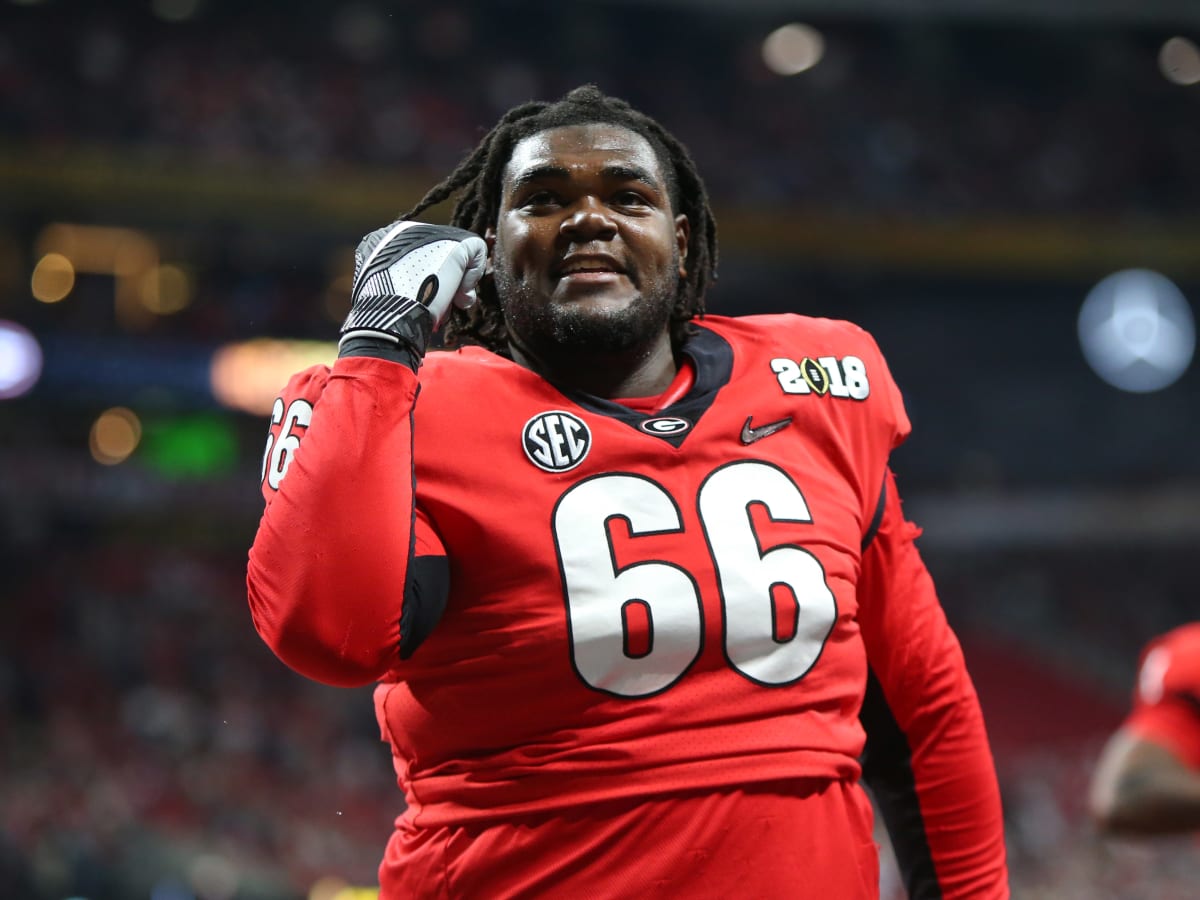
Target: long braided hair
{"x": 479, "y": 177}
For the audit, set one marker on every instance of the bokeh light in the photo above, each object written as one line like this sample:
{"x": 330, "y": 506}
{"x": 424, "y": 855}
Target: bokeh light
{"x": 1179, "y": 61}
{"x": 20, "y": 360}
{"x": 1137, "y": 331}
{"x": 793, "y": 48}
{"x": 249, "y": 375}
{"x": 53, "y": 278}
{"x": 115, "y": 435}
{"x": 166, "y": 289}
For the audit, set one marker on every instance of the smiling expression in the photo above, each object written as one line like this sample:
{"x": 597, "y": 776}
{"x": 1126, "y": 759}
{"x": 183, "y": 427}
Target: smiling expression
{"x": 587, "y": 251}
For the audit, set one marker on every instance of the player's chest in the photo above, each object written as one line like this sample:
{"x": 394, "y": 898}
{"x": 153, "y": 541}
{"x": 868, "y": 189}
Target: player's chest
{"x": 640, "y": 551}
{"x": 536, "y": 477}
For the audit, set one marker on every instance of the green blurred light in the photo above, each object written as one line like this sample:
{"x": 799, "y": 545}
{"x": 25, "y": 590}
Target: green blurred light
{"x": 190, "y": 446}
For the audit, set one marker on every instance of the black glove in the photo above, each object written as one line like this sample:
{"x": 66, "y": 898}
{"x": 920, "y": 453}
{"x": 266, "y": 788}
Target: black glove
{"x": 406, "y": 275}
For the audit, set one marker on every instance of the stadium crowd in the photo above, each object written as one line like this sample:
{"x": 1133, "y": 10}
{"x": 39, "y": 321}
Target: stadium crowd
{"x": 922, "y": 120}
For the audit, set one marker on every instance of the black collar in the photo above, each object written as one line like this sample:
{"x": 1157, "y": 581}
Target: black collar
{"x": 713, "y": 358}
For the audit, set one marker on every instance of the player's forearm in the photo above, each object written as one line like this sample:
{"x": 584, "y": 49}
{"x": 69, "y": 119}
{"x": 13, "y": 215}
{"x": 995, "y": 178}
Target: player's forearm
{"x": 1155, "y": 805}
{"x": 327, "y": 568}
{"x": 927, "y": 755}
{"x": 1142, "y": 788}
{"x": 932, "y": 775}
{"x": 960, "y": 799}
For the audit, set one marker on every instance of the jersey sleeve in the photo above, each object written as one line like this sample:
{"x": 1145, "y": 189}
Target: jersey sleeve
{"x": 1166, "y": 703}
{"x": 927, "y": 759}
{"x": 335, "y": 559}
{"x": 895, "y": 416}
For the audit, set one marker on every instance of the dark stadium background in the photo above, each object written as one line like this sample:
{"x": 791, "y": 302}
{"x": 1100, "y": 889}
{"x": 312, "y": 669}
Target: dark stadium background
{"x": 178, "y": 177}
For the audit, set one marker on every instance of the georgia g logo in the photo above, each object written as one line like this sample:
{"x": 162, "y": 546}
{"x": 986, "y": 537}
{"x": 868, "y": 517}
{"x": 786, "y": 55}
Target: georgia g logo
{"x": 664, "y": 425}
{"x": 556, "y": 441}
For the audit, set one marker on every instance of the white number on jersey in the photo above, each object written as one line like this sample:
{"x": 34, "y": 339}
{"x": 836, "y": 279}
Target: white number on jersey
{"x": 603, "y": 599}
{"x": 279, "y": 450}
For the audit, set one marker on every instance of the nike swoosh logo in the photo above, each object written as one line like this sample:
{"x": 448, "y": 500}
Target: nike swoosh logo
{"x": 751, "y": 434}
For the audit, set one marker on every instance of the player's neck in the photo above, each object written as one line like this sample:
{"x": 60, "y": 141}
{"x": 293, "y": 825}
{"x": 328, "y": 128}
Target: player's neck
{"x": 642, "y": 372}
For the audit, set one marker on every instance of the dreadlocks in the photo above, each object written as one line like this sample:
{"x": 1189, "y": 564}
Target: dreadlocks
{"x": 478, "y": 177}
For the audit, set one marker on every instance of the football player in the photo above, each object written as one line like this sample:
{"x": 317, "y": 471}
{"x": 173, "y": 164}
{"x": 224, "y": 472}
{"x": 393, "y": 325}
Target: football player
{"x": 1147, "y": 780}
{"x": 633, "y": 581}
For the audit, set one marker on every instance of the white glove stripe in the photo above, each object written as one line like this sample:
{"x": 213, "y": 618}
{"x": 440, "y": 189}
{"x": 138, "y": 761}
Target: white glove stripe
{"x": 406, "y": 277}
{"x": 399, "y": 241}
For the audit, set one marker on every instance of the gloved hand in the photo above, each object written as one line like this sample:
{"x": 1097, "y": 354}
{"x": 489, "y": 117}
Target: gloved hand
{"x": 406, "y": 275}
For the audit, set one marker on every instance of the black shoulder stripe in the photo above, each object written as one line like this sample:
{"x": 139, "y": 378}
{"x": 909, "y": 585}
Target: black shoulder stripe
{"x": 426, "y": 588}
{"x": 426, "y": 579}
{"x": 887, "y": 771}
{"x": 876, "y": 519}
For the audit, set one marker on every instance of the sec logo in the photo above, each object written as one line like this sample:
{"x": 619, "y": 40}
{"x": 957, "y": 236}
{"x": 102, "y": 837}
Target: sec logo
{"x": 556, "y": 441}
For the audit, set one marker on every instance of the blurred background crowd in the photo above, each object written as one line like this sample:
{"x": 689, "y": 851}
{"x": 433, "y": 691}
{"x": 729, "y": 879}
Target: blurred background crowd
{"x": 182, "y": 183}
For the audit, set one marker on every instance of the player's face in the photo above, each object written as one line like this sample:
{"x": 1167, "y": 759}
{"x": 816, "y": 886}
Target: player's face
{"x": 587, "y": 252}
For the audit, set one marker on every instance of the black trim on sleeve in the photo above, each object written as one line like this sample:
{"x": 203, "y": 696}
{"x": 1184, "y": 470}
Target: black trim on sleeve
{"x": 425, "y": 591}
{"x": 427, "y": 578}
{"x": 876, "y": 519}
{"x": 887, "y": 771}
{"x": 361, "y": 344}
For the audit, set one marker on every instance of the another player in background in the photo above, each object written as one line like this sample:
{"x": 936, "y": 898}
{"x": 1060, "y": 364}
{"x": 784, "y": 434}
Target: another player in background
{"x": 1147, "y": 780}
{"x": 634, "y": 581}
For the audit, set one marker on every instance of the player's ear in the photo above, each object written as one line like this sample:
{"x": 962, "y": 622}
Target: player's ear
{"x": 489, "y": 236}
{"x": 683, "y": 233}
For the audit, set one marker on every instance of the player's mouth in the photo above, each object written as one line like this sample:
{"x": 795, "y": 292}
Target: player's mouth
{"x": 589, "y": 268}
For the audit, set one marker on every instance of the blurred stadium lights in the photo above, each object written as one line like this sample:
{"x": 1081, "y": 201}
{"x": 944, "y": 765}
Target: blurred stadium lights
{"x": 1179, "y": 60}
{"x": 165, "y": 290}
{"x": 126, "y": 254}
{"x": 53, "y": 278}
{"x": 191, "y": 445}
{"x": 1137, "y": 331}
{"x": 20, "y": 360}
{"x": 115, "y": 434}
{"x": 166, "y": 375}
{"x": 247, "y": 376}
{"x": 793, "y": 48}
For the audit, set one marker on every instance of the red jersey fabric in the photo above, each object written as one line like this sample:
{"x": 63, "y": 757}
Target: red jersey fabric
{"x": 641, "y": 604}
{"x": 787, "y": 845}
{"x": 1166, "y": 701}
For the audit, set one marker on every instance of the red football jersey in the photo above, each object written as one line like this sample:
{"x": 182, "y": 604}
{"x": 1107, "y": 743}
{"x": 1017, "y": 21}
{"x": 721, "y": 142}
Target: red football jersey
{"x": 640, "y": 602}
{"x": 1166, "y": 702}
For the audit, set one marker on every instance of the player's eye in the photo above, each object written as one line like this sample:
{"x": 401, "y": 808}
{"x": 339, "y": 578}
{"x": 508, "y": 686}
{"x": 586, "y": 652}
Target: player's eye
{"x": 630, "y": 198}
{"x": 540, "y": 199}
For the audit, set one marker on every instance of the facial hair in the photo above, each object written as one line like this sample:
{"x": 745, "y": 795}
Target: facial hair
{"x": 558, "y": 331}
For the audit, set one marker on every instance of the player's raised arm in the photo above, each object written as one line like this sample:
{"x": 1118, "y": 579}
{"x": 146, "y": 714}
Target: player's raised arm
{"x": 927, "y": 758}
{"x": 330, "y": 570}
{"x": 1147, "y": 779}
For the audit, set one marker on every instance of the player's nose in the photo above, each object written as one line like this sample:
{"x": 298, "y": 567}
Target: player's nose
{"x": 589, "y": 219}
